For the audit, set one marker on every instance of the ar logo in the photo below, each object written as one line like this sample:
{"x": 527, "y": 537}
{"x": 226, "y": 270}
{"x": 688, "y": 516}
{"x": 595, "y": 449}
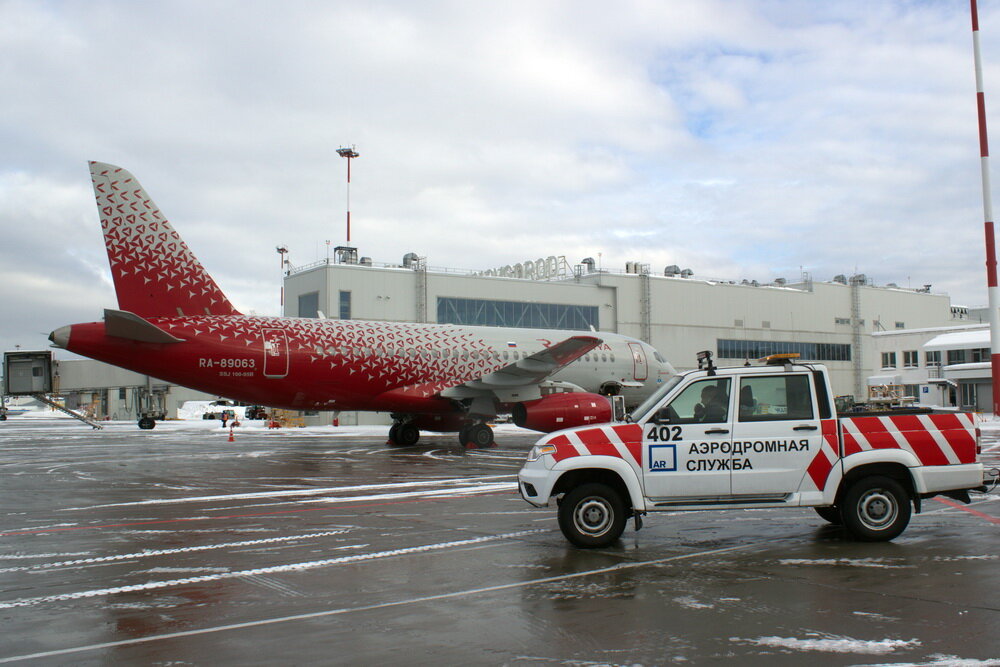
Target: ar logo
{"x": 662, "y": 458}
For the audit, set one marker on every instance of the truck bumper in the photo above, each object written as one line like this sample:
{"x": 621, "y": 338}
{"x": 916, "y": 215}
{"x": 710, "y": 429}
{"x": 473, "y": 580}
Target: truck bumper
{"x": 932, "y": 479}
{"x": 534, "y": 482}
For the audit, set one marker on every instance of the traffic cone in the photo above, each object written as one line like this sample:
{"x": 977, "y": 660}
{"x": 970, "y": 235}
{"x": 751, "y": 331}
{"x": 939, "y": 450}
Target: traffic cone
{"x": 231, "y": 438}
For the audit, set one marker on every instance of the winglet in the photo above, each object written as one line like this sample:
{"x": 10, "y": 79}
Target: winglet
{"x": 155, "y": 273}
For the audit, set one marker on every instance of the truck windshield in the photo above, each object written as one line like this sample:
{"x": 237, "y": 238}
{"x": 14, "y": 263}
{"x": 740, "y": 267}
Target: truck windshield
{"x": 640, "y": 412}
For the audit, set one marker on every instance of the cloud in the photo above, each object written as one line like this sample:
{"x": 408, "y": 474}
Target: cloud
{"x": 741, "y": 139}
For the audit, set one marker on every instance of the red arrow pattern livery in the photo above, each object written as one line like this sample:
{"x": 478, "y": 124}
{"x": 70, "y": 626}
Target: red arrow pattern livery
{"x": 174, "y": 323}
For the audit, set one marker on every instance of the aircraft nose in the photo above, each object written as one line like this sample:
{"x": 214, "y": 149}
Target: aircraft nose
{"x": 60, "y": 337}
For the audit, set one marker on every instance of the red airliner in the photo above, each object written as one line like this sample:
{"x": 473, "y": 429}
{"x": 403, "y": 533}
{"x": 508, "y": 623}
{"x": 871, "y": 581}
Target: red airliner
{"x": 173, "y": 322}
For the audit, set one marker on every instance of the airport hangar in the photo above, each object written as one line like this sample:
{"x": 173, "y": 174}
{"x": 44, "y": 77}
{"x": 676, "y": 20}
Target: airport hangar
{"x": 837, "y": 322}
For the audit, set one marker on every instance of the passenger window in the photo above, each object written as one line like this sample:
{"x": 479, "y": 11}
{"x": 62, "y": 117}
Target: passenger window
{"x": 702, "y": 402}
{"x": 774, "y": 398}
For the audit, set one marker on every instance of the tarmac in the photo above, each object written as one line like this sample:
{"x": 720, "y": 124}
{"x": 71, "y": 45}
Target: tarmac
{"x": 327, "y": 546}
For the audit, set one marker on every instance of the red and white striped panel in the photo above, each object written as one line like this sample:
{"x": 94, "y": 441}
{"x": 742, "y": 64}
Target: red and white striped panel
{"x": 934, "y": 439}
{"x": 821, "y": 465}
{"x": 623, "y": 441}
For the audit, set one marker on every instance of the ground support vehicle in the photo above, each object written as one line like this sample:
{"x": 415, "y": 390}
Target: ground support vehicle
{"x": 753, "y": 437}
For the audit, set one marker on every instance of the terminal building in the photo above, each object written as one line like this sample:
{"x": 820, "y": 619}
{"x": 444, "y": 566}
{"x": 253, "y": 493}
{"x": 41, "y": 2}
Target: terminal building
{"x": 834, "y": 322}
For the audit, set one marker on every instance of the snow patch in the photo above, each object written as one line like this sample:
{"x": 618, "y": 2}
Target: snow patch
{"x": 851, "y": 562}
{"x": 833, "y": 644}
{"x": 691, "y": 603}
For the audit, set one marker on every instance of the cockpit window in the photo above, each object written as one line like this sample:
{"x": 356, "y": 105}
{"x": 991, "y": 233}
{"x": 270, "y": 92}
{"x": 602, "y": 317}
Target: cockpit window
{"x": 659, "y": 357}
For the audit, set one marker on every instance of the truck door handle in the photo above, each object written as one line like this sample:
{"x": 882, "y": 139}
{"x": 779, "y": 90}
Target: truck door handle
{"x": 716, "y": 431}
{"x": 805, "y": 428}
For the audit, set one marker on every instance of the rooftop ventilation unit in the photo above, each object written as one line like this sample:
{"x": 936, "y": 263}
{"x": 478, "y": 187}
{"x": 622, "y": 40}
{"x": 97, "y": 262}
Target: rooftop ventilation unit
{"x": 366, "y": 261}
{"x": 409, "y": 259}
{"x": 780, "y": 282}
{"x": 840, "y": 278}
{"x": 589, "y": 263}
{"x": 687, "y": 273}
{"x": 671, "y": 270}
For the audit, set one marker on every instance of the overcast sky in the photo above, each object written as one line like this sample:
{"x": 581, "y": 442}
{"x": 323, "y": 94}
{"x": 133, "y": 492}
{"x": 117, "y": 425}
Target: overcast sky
{"x": 741, "y": 139}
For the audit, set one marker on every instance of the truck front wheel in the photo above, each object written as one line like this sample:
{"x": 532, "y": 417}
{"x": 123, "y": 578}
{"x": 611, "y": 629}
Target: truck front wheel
{"x": 592, "y": 515}
{"x": 876, "y": 509}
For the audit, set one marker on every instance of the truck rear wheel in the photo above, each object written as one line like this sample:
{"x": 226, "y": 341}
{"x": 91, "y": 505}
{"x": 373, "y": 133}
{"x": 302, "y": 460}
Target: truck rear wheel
{"x": 876, "y": 509}
{"x": 592, "y": 515}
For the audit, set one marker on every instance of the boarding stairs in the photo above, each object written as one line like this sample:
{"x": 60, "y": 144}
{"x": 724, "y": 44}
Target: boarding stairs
{"x": 75, "y": 415}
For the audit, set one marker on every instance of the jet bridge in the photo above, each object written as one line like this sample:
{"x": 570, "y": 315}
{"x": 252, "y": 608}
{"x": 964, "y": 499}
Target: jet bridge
{"x": 30, "y": 373}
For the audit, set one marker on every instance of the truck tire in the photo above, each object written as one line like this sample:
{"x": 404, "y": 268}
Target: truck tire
{"x": 592, "y": 515}
{"x": 830, "y": 514}
{"x": 876, "y": 509}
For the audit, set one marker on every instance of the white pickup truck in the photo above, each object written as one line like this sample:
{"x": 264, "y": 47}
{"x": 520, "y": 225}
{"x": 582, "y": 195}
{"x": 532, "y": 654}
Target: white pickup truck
{"x": 753, "y": 437}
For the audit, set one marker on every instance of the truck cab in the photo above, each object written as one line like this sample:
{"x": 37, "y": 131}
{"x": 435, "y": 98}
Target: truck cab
{"x": 749, "y": 437}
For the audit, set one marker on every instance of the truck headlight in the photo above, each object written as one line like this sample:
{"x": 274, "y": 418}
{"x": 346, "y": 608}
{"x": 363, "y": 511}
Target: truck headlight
{"x": 538, "y": 451}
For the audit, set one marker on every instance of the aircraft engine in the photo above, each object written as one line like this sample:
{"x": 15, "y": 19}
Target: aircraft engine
{"x": 565, "y": 410}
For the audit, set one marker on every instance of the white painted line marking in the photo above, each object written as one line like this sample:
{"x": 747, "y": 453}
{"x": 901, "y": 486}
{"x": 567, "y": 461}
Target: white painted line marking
{"x": 299, "y": 492}
{"x": 384, "y": 605}
{"x": 274, "y": 569}
{"x": 164, "y": 552}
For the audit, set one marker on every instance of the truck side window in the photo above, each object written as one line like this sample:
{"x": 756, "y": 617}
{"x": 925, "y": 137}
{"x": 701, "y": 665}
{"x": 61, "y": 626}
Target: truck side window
{"x": 705, "y": 401}
{"x": 775, "y": 397}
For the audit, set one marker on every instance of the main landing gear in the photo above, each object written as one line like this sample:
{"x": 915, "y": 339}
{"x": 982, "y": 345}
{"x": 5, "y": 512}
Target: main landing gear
{"x": 476, "y": 435}
{"x": 403, "y": 434}
{"x": 472, "y": 435}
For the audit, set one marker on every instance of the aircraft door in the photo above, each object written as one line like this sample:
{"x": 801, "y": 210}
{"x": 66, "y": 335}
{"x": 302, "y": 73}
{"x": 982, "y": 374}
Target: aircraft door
{"x": 275, "y": 353}
{"x": 640, "y": 367}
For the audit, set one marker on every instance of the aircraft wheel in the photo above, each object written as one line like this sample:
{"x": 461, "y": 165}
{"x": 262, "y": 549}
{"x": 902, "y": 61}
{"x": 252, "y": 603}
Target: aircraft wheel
{"x": 393, "y": 433}
{"x": 147, "y": 423}
{"x": 3, "y": 418}
{"x": 406, "y": 435}
{"x": 463, "y": 434}
{"x": 479, "y": 436}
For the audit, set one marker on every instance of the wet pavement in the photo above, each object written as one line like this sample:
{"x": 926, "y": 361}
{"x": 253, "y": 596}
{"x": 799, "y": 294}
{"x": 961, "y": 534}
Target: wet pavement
{"x": 325, "y": 546}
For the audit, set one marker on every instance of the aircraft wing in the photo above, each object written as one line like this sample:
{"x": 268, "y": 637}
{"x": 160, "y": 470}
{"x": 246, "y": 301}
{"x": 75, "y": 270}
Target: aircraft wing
{"x": 519, "y": 381}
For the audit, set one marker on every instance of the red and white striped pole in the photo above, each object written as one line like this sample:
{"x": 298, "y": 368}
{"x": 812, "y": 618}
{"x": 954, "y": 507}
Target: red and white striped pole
{"x": 349, "y": 153}
{"x": 991, "y": 248}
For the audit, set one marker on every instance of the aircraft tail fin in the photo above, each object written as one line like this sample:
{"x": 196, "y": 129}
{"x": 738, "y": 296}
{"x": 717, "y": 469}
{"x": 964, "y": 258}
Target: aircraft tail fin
{"x": 154, "y": 271}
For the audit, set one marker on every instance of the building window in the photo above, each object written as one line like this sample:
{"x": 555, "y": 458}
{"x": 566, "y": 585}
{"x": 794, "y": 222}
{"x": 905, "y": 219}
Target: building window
{"x": 900, "y": 325}
{"x": 309, "y": 304}
{"x": 911, "y": 390}
{"x": 345, "y": 305}
{"x": 910, "y": 359}
{"x": 842, "y": 320}
{"x": 121, "y": 393}
{"x": 888, "y": 360}
{"x": 957, "y": 357}
{"x": 968, "y": 395}
{"x": 933, "y": 357}
{"x": 980, "y": 354}
{"x": 757, "y": 349}
{"x": 488, "y": 313}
